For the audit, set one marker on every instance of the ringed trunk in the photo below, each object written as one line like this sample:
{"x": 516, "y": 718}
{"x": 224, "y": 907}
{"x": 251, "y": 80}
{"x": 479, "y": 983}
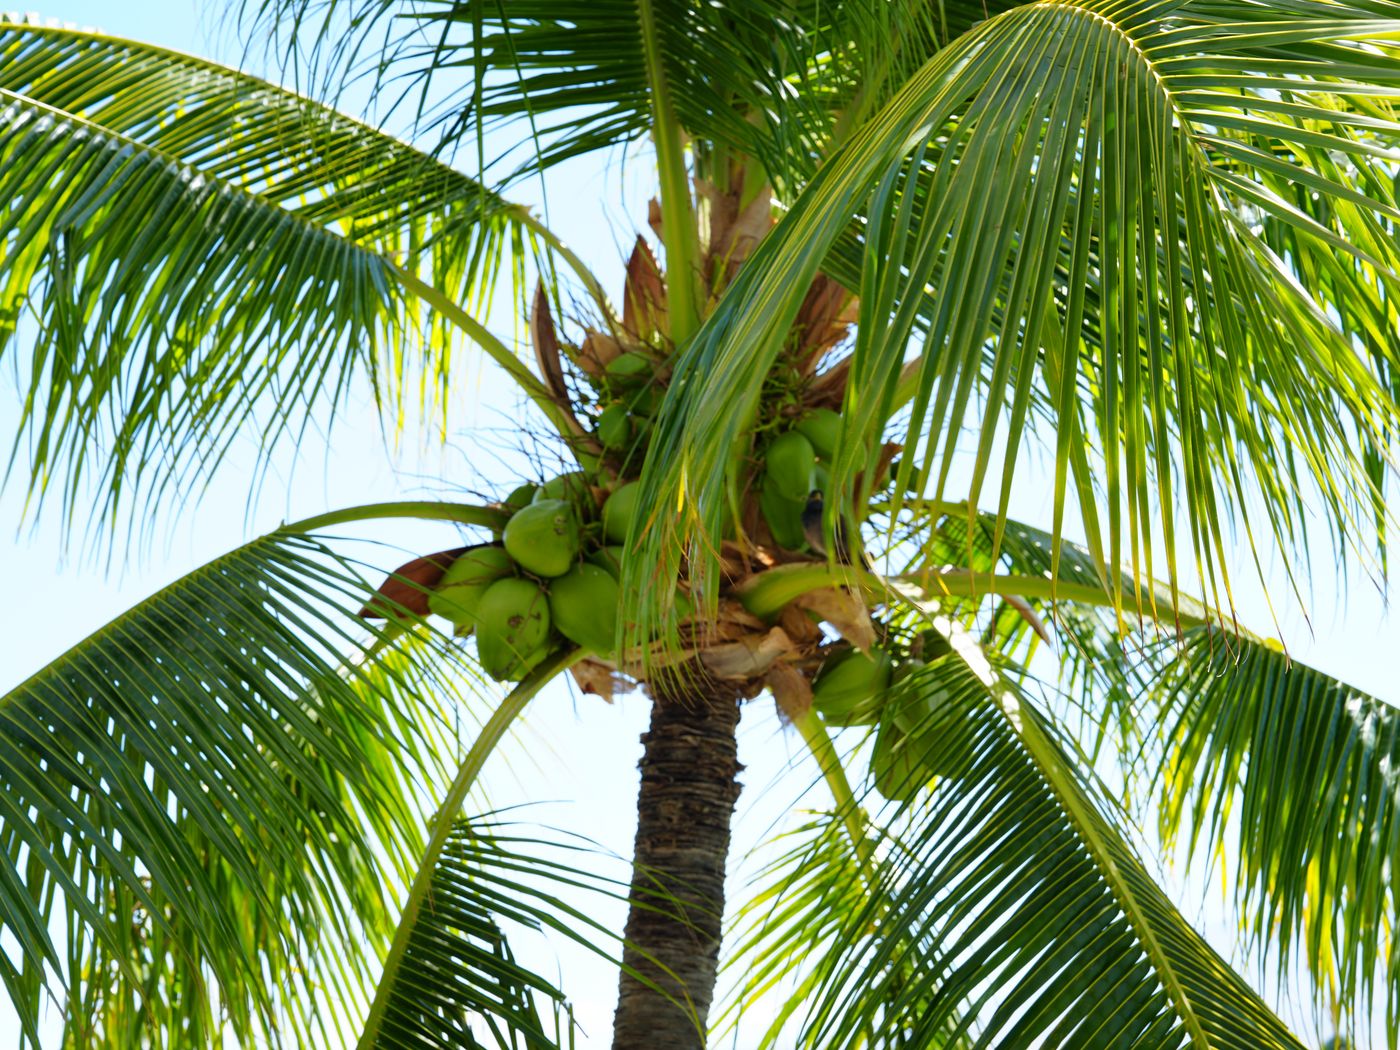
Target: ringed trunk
{"x": 684, "y": 805}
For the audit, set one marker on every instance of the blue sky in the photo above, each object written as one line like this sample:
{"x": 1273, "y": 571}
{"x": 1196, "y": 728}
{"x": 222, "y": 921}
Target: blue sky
{"x": 580, "y": 749}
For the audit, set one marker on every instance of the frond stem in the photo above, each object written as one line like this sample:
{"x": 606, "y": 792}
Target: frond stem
{"x": 491, "y": 734}
{"x": 677, "y": 220}
{"x": 466, "y": 514}
{"x": 819, "y": 744}
{"x": 1025, "y": 724}
{"x": 767, "y": 593}
{"x": 495, "y": 349}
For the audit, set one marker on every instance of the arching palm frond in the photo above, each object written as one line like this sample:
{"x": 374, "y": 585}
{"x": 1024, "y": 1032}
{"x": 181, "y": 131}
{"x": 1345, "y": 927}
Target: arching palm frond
{"x": 780, "y": 82}
{"x": 1295, "y": 774}
{"x": 1255, "y": 755}
{"x": 459, "y": 984}
{"x": 811, "y": 902}
{"x": 1053, "y": 148}
{"x": 212, "y": 803}
{"x": 199, "y": 252}
{"x": 1058, "y": 937}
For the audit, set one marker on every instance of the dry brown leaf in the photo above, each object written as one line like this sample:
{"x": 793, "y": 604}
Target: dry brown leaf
{"x": 888, "y": 451}
{"x": 791, "y": 691}
{"x": 799, "y": 625}
{"x": 406, "y": 588}
{"x": 546, "y": 344}
{"x": 644, "y": 294}
{"x": 598, "y": 351}
{"x": 844, "y": 610}
{"x": 749, "y": 657}
{"x": 1029, "y": 615}
{"x": 821, "y": 320}
{"x": 596, "y": 679}
{"x": 735, "y": 232}
{"x": 828, "y": 390}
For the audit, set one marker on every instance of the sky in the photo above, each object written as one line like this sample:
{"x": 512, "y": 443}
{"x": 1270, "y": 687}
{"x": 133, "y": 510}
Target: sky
{"x": 581, "y": 753}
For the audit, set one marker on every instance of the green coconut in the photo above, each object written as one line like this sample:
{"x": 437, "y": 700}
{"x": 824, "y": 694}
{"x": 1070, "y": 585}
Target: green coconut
{"x": 895, "y": 764}
{"x": 645, "y": 401}
{"x": 512, "y": 634}
{"x": 628, "y": 367}
{"x": 583, "y": 605}
{"x": 572, "y": 486}
{"x": 784, "y": 516}
{"x": 543, "y": 538}
{"x": 820, "y": 427}
{"x": 620, "y": 510}
{"x": 789, "y": 462}
{"x": 608, "y": 559}
{"x": 459, "y": 592}
{"x": 850, "y": 688}
{"x": 521, "y": 496}
{"x": 614, "y": 427}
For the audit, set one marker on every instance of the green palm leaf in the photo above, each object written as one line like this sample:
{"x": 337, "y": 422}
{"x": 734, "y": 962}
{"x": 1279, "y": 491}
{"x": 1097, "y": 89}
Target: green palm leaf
{"x": 780, "y": 82}
{"x": 205, "y": 796}
{"x": 1295, "y": 770}
{"x": 1060, "y": 937}
{"x": 1249, "y": 749}
{"x": 200, "y": 252}
{"x": 1072, "y": 132}
{"x": 815, "y": 898}
{"x": 458, "y": 983}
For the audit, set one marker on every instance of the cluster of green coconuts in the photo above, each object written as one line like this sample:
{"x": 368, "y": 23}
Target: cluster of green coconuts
{"x": 554, "y": 574}
{"x": 795, "y": 465}
{"x": 542, "y": 581}
{"x": 855, "y": 688}
{"x": 629, "y": 399}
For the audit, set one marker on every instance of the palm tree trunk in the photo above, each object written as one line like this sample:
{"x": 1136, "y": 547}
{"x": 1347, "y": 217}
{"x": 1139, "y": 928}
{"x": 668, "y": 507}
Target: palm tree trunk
{"x": 684, "y": 806}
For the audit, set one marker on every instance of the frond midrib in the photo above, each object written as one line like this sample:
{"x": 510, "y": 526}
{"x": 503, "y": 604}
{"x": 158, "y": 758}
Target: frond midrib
{"x": 283, "y": 97}
{"x": 1026, "y": 728}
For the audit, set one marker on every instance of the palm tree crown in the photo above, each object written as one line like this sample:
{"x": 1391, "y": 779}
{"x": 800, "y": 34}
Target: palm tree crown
{"x": 896, "y": 250}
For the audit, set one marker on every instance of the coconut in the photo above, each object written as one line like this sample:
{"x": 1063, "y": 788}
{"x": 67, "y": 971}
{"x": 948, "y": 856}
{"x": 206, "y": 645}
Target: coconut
{"x": 583, "y": 605}
{"x": 628, "y": 367}
{"x": 784, "y": 516}
{"x": 620, "y": 510}
{"x": 614, "y": 427}
{"x": 789, "y": 462}
{"x": 521, "y": 496}
{"x": 895, "y": 764}
{"x": 850, "y": 689}
{"x": 459, "y": 592}
{"x": 607, "y": 558}
{"x": 646, "y": 401}
{"x": 512, "y": 634}
{"x": 572, "y": 486}
{"x": 820, "y": 427}
{"x": 544, "y": 537}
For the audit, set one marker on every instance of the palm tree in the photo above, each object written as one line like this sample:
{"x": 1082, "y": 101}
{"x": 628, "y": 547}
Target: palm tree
{"x": 901, "y": 247}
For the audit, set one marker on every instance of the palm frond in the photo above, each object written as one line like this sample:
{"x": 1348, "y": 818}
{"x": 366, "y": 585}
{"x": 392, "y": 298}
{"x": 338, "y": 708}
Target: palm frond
{"x": 1294, "y": 773}
{"x": 1059, "y": 150}
{"x": 782, "y": 83}
{"x": 1058, "y": 938}
{"x": 804, "y": 907}
{"x": 212, "y": 802}
{"x": 459, "y": 984}
{"x": 196, "y": 252}
{"x": 1255, "y": 756}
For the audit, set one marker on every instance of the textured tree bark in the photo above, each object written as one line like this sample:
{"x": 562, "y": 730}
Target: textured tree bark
{"x": 684, "y": 806}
